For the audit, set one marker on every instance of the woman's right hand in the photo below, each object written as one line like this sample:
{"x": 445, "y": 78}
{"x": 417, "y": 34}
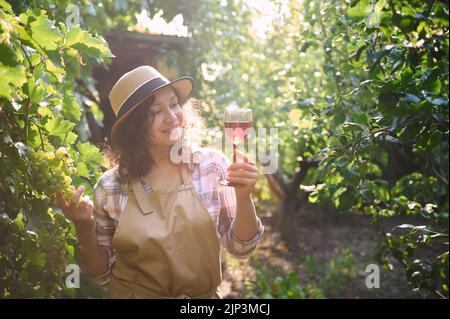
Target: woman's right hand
{"x": 79, "y": 212}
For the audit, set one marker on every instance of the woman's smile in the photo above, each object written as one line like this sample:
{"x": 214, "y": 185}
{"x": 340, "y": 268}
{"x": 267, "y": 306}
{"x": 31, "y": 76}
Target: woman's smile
{"x": 169, "y": 130}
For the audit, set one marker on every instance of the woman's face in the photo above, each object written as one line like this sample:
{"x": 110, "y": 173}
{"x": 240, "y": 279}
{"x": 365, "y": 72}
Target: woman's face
{"x": 168, "y": 118}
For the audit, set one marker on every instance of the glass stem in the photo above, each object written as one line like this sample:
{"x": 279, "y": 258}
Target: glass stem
{"x": 234, "y": 153}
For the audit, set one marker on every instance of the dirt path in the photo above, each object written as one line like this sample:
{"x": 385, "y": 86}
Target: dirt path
{"x": 329, "y": 259}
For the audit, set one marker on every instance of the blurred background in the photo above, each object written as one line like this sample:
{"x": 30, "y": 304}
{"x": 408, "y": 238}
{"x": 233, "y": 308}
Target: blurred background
{"x": 358, "y": 90}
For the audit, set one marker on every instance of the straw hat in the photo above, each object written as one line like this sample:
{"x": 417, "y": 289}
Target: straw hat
{"x": 138, "y": 84}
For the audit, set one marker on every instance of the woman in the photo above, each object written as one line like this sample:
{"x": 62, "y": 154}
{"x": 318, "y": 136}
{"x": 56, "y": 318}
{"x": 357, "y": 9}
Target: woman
{"x": 156, "y": 225}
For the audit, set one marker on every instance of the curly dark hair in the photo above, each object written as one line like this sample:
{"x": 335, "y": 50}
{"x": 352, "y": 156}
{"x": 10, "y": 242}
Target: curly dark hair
{"x": 129, "y": 148}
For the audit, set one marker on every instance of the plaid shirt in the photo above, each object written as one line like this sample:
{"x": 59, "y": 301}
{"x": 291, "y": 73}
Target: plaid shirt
{"x": 110, "y": 198}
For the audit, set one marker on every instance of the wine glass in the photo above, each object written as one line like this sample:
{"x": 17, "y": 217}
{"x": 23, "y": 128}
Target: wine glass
{"x": 236, "y": 122}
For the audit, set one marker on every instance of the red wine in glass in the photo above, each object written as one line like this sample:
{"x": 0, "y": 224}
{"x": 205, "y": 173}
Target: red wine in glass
{"x": 237, "y": 131}
{"x": 237, "y": 123}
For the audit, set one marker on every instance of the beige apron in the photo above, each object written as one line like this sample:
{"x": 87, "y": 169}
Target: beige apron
{"x": 165, "y": 246}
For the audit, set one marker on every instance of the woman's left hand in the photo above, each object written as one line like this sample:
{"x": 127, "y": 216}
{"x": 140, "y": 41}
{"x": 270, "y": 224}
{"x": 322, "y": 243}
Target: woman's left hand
{"x": 243, "y": 172}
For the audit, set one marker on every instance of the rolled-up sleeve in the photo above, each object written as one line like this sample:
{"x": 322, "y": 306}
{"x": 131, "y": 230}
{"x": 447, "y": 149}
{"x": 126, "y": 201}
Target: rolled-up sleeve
{"x": 237, "y": 248}
{"x": 243, "y": 249}
{"x": 104, "y": 229}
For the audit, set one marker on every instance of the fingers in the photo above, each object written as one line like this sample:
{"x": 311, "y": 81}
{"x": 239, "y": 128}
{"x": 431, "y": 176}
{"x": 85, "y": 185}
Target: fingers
{"x": 62, "y": 203}
{"x": 85, "y": 205}
{"x": 84, "y": 211}
{"x": 241, "y": 180}
{"x": 244, "y": 174}
{"x": 87, "y": 201}
{"x": 76, "y": 196}
{"x": 244, "y": 166}
{"x": 82, "y": 205}
{"x": 80, "y": 212}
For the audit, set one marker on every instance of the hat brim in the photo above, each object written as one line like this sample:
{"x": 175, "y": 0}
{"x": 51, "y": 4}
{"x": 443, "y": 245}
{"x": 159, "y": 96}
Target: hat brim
{"x": 183, "y": 86}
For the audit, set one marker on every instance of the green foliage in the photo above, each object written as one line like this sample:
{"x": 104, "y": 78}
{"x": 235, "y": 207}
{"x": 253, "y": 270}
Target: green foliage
{"x": 38, "y": 270}
{"x": 270, "y": 285}
{"x": 325, "y": 281}
{"x": 406, "y": 113}
{"x": 364, "y": 89}
{"x": 340, "y": 273}
{"x": 40, "y": 151}
{"x": 338, "y": 276}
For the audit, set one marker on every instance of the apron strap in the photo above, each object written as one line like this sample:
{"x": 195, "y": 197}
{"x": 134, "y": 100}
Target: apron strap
{"x": 141, "y": 197}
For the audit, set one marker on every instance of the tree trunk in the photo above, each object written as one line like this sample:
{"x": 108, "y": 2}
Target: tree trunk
{"x": 291, "y": 197}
